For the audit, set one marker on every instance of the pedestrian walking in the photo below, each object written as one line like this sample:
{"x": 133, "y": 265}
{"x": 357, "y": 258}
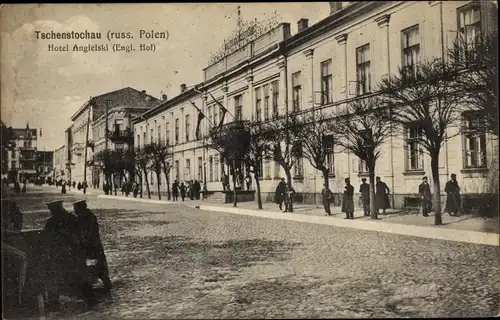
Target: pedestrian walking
{"x": 63, "y": 187}
{"x": 424, "y": 189}
{"x": 92, "y": 247}
{"x": 197, "y": 189}
{"x": 248, "y": 181}
{"x": 453, "y": 201}
{"x": 23, "y": 190}
{"x": 182, "y": 189}
{"x": 135, "y": 189}
{"x": 381, "y": 195}
{"x": 279, "y": 194}
{"x": 175, "y": 191}
{"x": 364, "y": 190}
{"x": 347, "y": 200}
{"x": 327, "y": 197}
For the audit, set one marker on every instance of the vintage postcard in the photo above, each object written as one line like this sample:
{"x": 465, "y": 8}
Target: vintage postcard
{"x": 250, "y": 160}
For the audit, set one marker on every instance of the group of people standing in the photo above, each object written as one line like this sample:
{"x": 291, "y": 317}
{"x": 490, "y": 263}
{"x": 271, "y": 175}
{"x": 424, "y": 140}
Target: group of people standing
{"x": 382, "y": 197}
{"x": 192, "y": 189}
{"x": 284, "y": 195}
{"x": 453, "y": 200}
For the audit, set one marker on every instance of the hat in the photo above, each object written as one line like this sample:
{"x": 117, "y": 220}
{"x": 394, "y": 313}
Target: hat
{"x": 363, "y": 179}
{"x": 79, "y": 202}
{"x": 424, "y": 178}
{"x": 54, "y": 203}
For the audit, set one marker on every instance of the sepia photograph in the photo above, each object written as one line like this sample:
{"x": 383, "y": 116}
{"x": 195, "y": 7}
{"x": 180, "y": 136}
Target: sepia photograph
{"x": 276, "y": 160}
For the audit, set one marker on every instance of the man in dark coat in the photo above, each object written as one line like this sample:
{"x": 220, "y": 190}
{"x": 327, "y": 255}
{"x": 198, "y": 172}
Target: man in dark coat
{"x": 197, "y": 189}
{"x": 64, "y": 257}
{"x": 364, "y": 189}
{"x": 175, "y": 191}
{"x": 425, "y": 193}
{"x": 347, "y": 200}
{"x": 452, "y": 196}
{"x": 381, "y": 195}
{"x": 327, "y": 197}
{"x": 279, "y": 195}
{"x": 91, "y": 245}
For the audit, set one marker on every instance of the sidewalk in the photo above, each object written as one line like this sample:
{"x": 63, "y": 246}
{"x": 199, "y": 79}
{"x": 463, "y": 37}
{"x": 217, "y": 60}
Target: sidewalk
{"x": 464, "y": 229}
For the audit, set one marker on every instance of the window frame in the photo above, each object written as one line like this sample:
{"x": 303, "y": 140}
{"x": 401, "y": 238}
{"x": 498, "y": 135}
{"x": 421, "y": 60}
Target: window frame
{"x": 238, "y": 107}
{"x": 258, "y": 104}
{"x": 265, "y": 89}
{"x": 416, "y": 141}
{"x": 410, "y": 71}
{"x": 363, "y": 82}
{"x": 326, "y": 82}
{"x": 477, "y": 134}
{"x": 275, "y": 86}
{"x": 296, "y": 91}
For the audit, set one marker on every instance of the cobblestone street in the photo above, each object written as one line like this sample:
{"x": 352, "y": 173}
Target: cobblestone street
{"x": 174, "y": 261}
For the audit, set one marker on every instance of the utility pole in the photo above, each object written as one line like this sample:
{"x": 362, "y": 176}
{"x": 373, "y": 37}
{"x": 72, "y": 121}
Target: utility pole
{"x": 106, "y": 143}
{"x": 85, "y": 156}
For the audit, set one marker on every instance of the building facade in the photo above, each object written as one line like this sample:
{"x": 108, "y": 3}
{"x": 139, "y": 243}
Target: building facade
{"x": 112, "y": 112}
{"x": 325, "y": 66}
{"x": 22, "y": 159}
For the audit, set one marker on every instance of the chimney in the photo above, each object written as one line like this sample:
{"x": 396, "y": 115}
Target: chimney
{"x": 302, "y": 24}
{"x": 183, "y": 87}
{"x": 335, "y": 7}
{"x": 164, "y": 97}
{"x": 143, "y": 92}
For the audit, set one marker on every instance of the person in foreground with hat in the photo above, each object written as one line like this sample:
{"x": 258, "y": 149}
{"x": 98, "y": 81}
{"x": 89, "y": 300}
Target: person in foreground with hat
{"x": 452, "y": 196}
{"x": 364, "y": 189}
{"x": 425, "y": 192}
{"x": 92, "y": 245}
{"x": 65, "y": 260}
{"x": 347, "y": 200}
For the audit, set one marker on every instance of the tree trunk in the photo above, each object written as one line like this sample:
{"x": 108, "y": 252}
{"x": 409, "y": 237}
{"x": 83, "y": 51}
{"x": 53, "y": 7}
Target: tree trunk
{"x": 158, "y": 177}
{"x": 234, "y": 184}
{"x": 165, "y": 172}
{"x": 259, "y": 198}
{"x": 437, "y": 190}
{"x": 147, "y": 183}
{"x": 373, "y": 207}
{"x": 140, "y": 182}
{"x": 289, "y": 182}
{"x": 326, "y": 174}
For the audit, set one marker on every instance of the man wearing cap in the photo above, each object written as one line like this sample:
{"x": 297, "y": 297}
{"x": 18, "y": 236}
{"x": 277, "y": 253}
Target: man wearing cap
{"x": 347, "y": 200}
{"x": 364, "y": 189}
{"x": 91, "y": 243}
{"x": 452, "y": 196}
{"x": 65, "y": 261}
{"x": 425, "y": 192}
{"x": 327, "y": 197}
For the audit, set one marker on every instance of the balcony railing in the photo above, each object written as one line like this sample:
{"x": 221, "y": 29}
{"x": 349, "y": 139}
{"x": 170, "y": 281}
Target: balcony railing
{"x": 122, "y": 136}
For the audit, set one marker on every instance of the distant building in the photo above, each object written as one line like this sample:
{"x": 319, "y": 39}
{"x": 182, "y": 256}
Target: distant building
{"x": 59, "y": 164}
{"x": 118, "y": 107}
{"x": 44, "y": 165}
{"x": 22, "y": 159}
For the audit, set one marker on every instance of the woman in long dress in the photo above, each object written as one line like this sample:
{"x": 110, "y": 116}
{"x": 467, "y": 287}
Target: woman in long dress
{"x": 347, "y": 200}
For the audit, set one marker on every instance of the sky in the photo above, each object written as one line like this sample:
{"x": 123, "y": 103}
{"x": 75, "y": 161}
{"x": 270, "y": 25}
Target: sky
{"x": 46, "y": 88}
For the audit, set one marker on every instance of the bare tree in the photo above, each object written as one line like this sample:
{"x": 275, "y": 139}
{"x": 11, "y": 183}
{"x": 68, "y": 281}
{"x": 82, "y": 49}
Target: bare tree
{"x": 316, "y": 134}
{"x": 142, "y": 159}
{"x": 232, "y": 142}
{"x": 362, "y": 128}
{"x": 422, "y": 99}
{"x": 259, "y": 149}
{"x": 474, "y": 63}
{"x": 137, "y": 169}
{"x": 160, "y": 153}
{"x": 285, "y": 144}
